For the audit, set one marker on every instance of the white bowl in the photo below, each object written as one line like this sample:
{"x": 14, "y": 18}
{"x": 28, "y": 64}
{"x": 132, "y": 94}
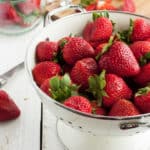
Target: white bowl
{"x": 93, "y": 124}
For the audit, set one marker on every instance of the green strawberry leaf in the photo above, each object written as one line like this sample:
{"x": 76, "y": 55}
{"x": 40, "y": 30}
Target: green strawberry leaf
{"x": 145, "y": 59}
{"x": 55, "y": 83}
{"x": 143, "y": 91}
{"x": 85, "y": 3}
{"x": 96, "y": 15}
{"x": 97, "y": 85}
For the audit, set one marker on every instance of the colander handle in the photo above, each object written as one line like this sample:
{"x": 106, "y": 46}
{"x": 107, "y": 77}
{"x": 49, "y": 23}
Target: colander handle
{"x": 131, "y": 125}
{"x": 49, "y": 20}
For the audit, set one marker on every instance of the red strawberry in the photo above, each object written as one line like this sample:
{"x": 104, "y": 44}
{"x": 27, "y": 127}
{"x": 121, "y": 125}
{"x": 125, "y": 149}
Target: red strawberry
{"x": 82, "y": 70}
{"x": 87, "y": 31}
{"x": 102, "y": 28}
{"x": 59, "y": 88}
{"x": 76, "y": 49}
{"x": 62, "y": 42}
{"x": 119, "y": 60}
{"x": 123, "y": 108}
{"x": 101, "y": 5}
{"x": 148, "y": 39}
{"x": 37, "y": 2}
{"x": 12, "y": 15}
{"x": 129, "y": 6}
{"x": 108, "y": 89}
{"x": 46, "y": 51}
{"x": 143, "y": 78}
{"x": 142, "y": 99}
{"x": 26, "y": 7}
{"x": 141, "y": 30}
{"x": 79, "y": 103}
{"x": 45, "y": 70}
{"x": 91, "y": 7}
{"x": 97, "y": 109}
{"x": 99, "y": 48}
{"x": 8, "y": 109}
{"x": 141, "y": 50}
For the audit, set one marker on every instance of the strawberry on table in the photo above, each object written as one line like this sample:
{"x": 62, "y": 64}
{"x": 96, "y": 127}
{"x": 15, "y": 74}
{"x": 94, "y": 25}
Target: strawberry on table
{"x": 79, "y": 103}
{"x": 123, "y": 108}
{"x": 143, "y": 77}
{"x": 45, "y": 70}
{"x": 119, "y": 59}
{"x": 108, "y": 88}
{"x": 141, "y": 50}
{"x": 142, "y": 99}
{"x": 76, "y": 49}
{"x": 82, "y": 70}
{"x": 59, "y": 87}
{"x": 46, "y": 51}
{"x": 8, "y": 109}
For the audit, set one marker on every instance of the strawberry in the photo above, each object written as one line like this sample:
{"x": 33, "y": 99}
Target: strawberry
{"x": 12, "y": 15}
{"x": 123, "y": 108}
{"x": 37, "y": 2}
{"x": 99, "y": 48}
{"x": 97, "y": 109}
{"x": 141, "y": 30}
{"x": 101, "y": 5}
{"x": 129, "y": 6}
{"x": 142, "y": 99}
{"x": 148, "y": 39}
{"x": 63, "y": 41}
{"x": 26, "y": 7}
{"x": 102, "y": 27}
{"x": 141, "y": 50}
{"x": 91, "y": 7}
{"x": 8, "y": 109}
{"x": 76, "y": 49}
{"x": 119, "y": 60}
{"x": 108, "y": 88}
{"x": 45, "y": 70}
{"x": 82, "y": 70}
{"x": 143, "y": 78}
{"x": 59, "y": 88}
{"x": 87, "y": 31}
{"x": 46, "y": 51}
{"x": 79, "y": 103}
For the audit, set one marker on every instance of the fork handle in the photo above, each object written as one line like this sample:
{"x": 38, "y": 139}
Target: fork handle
{"x": 2, "y": 81}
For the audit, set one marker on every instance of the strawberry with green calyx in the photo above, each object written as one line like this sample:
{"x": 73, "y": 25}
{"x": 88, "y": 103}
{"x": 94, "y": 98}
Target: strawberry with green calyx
{"x": 123, "y": 108}
{"x": 142, "y": 99}
{"x": 102, "y": 27}
{"x": 108, "y": 88}
{"x": 143, "y": 77}
{"x": 59, "y": 88}
{"x": 126, "y": 34}
{"x": 79, "y": 103}
{"x": 119, "y": 59}
{"x": 86, "y": 3}
{"x": 104, "y": 47}
{"x": 141, "y": 50}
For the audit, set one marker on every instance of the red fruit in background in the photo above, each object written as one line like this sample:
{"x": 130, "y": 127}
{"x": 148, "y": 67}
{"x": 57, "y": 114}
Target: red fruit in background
{"x": 45, "y": 87}
{"x": 46, "y": 51}
{"x": 45, "y": 70}
{"x": 27, "y": 7}
{"x": 82, "y": 70}
{"x": 102, "y": 29}
{"x": 101, "y": 5}
{"x": 141, "y": 30}
{"x": 129, "y": 6}
{"x": 76, "y": 49}
{"x": 140, "y": 49}
{"x": 123, "y": 108}
{"x": 97, "y": 109}
{"x": 79, "y": 103}
{"x": 142, "y": 99}
{"x": 119, "y": 60}
{"x": 91, "y": 7}
{"x": 143, "y": 78}
{"x": 87, "y": 31}
{"x": 12, "y": 15}
{"x": 37, "y": 2}
{"x": 8, "y": 109}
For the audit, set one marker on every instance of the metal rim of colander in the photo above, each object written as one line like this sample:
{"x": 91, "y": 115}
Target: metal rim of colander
{"x": 94, "y": 116}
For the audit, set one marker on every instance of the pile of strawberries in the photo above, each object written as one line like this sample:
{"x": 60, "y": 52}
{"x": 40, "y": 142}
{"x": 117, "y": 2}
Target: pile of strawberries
{"x": 104, "y": 72}
{"x": 20, "y": 12}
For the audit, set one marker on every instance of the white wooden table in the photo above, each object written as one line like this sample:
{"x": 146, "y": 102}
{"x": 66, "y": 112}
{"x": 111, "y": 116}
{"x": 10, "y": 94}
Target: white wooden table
{"x": 35, "y": 129}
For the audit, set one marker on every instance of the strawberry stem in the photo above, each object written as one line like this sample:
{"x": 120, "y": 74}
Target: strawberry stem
{"x": 144, "y": 59}
{"x": 143, "y": 91}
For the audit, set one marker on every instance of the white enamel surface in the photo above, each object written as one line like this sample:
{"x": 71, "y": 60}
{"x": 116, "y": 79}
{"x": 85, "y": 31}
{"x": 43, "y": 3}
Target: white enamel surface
{"x": 75, "y": 25}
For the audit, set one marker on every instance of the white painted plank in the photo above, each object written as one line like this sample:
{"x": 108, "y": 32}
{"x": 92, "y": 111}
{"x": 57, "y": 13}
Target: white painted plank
{"x": 50, "y": 139}
{"x": 24, "y": 132}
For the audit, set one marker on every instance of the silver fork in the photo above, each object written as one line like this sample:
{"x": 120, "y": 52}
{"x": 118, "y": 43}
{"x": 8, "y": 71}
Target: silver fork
{"x": 4, "y": 77}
